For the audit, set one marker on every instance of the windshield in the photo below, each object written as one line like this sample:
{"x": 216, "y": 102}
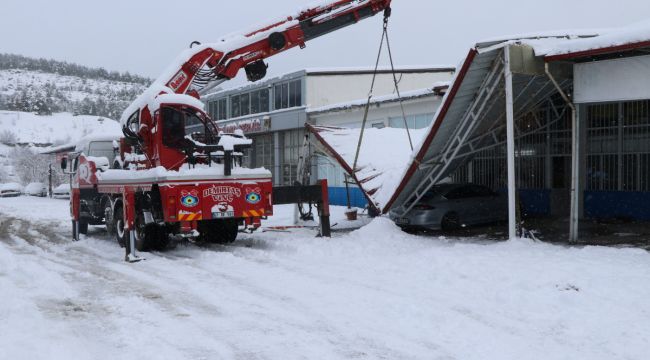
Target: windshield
{"x": 102, "y": 149}
{"x": 177, "y": 123}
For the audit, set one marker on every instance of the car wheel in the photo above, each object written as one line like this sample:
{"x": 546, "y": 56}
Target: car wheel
{"x": 451, "y": 221}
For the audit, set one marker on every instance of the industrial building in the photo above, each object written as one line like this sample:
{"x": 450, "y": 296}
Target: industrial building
{"x": 561, "y": 122}
{"x": 565, "y": 116}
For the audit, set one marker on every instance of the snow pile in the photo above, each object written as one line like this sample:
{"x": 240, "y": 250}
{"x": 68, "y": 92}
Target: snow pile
{"x": 229, "y": 142}
{"x": 56, "y": 128}
{"x": 375, "y": 293}
{"x": 383, "y": 158}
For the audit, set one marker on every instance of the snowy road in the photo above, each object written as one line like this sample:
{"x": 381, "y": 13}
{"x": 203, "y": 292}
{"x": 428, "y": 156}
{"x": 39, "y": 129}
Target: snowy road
{"x": 375, "y": 293}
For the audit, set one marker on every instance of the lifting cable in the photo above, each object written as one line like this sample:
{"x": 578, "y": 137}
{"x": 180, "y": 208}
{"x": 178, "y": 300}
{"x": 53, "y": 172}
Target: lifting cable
{"x": 384, "y": 37}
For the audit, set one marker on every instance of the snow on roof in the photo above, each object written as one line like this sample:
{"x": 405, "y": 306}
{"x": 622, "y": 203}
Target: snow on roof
{"x": 380, "y": 166}
{"x": 551, "y": 34}
{"x": 407, "y": 95}
{"x": 180, "y": 99}
{"x": 365, "y": 69}
{"x": 564, "y": 42}
{"x": 632, "y": 34}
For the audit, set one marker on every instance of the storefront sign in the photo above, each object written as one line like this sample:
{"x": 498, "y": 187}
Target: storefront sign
{"x": 248, "y": 126}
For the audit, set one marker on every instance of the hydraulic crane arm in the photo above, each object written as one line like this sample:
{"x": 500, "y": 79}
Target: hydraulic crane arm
{"x": 203, "y": 67}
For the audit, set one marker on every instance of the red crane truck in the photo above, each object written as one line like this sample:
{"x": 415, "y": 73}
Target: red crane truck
{"x": 165, "y": 184}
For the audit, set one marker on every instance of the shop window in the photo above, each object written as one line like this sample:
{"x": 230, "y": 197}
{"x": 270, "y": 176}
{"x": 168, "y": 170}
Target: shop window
{"x": 255, "y": 102}
{"x": 259, "y": 101}
{"x": 618, "y": 146}
{"x": 291, "y": 147}
{"x": 217, "y": 109}
{"x": 235, "y": 106}
{"x": 244, "y": 104}
{"x": 288, "y": 94}
{"x": 413, "y": 121}
{"x": 295, "y": 93}
{"x": 262, "y": 154}
{"x": 264, "y": 100}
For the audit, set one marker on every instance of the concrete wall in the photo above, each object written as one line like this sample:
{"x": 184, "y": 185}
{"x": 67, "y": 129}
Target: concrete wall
{"x": 322, "y": 90}
{"x": 378, "y": 113}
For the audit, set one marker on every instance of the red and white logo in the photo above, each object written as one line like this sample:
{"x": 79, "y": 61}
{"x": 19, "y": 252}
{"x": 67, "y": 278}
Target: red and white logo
{"x": 178, "y": 80}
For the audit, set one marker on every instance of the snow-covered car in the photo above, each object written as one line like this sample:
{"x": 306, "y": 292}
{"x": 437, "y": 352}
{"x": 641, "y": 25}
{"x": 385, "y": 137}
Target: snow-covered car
{"x": 11, "y": 190}
{"x": 61, "y": 192}
{"x": 36, "y": 189}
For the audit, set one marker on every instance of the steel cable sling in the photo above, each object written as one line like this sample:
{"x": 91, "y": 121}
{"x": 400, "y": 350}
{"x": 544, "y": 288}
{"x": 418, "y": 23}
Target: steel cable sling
{"x": 384, "y": 37}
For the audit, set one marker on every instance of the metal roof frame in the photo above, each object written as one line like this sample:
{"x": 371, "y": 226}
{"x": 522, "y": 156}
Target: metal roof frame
{"x": 473, "y": 117}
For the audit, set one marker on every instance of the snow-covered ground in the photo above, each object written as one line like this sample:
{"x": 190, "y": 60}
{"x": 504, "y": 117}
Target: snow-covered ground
{"x": 375, "y": 293}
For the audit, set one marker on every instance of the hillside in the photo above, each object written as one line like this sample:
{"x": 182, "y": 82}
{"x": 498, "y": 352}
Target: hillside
{"x": 59, "y": 128}
{"x": 23, "y": 135}
{"x": 48, "y": 86}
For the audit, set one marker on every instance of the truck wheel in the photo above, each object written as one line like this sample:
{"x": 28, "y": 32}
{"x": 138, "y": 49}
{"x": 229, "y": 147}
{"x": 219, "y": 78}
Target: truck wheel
{"x": 219, "y": 231}
{"x": 151, "y": 236}
{"x": 108, "y": 218}
{"x": 121, "y": 234}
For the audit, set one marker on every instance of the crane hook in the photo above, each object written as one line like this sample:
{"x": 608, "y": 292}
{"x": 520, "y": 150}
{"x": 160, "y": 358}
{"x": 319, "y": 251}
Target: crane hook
{"x": 387, "y": 13}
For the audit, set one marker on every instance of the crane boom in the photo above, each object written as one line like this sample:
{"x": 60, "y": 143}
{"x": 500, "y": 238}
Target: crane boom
{"x": 209, "y": 65}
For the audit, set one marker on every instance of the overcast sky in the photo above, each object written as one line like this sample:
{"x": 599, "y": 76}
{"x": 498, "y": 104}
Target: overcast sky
{"x": 144, "y": 36}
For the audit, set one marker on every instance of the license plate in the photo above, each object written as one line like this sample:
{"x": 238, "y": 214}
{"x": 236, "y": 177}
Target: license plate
{"x": 402, "y": 221}
{"x": 223, "y": 215}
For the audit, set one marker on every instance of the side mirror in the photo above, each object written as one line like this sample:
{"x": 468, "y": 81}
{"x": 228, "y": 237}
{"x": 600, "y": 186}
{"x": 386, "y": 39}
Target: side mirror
{"x": 64, "y": 164}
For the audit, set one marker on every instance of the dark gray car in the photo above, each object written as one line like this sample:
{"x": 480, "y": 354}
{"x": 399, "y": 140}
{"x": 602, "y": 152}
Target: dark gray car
{"x": 450, "y": 206}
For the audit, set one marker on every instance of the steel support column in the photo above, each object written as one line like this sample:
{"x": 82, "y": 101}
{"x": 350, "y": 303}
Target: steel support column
{"x": 510, "y": 129}
{"x": 575, "y": 161}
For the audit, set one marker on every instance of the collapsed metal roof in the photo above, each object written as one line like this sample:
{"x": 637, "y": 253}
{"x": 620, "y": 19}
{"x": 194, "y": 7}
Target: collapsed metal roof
{"x": 472, "y": 115}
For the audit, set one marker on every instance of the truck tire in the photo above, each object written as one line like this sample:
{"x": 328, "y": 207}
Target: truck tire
{"x": 151, "y": 237}
{"x": 121, "y": 235}
{"x": 219, "y": 231}
{"x": 108, "y": 218}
